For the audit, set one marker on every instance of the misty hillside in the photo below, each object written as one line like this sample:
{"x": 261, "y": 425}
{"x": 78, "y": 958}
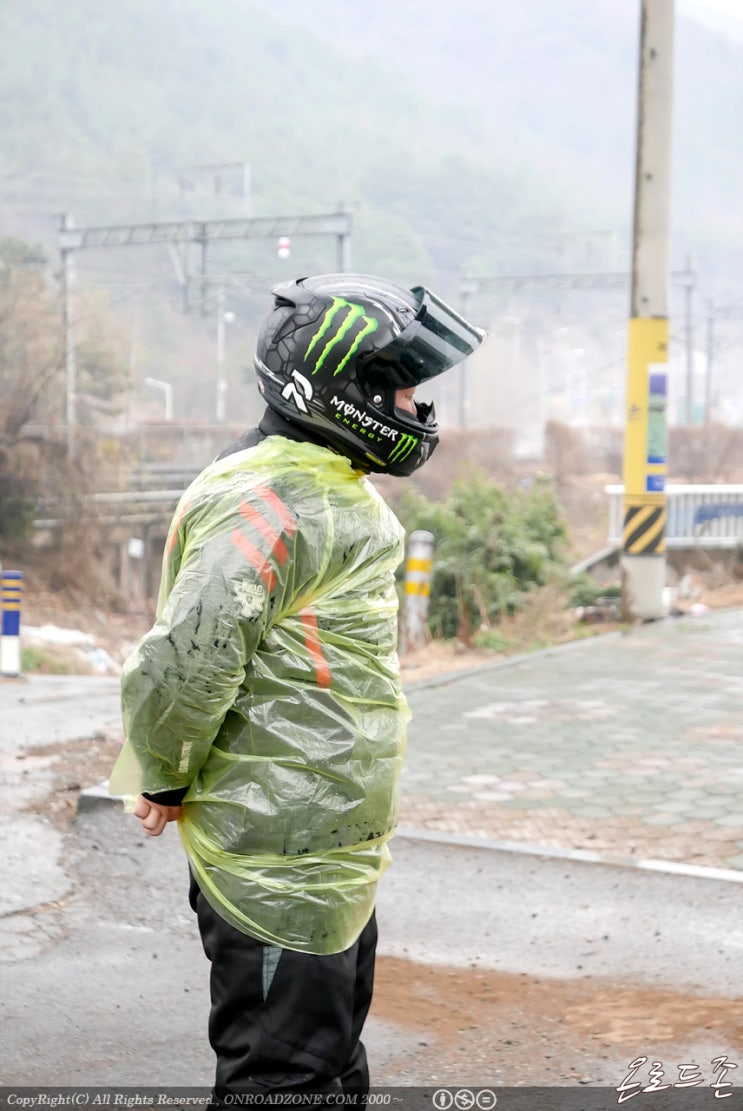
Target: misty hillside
{"x": 468, "y": 133}
{"x": 495, "y": 136}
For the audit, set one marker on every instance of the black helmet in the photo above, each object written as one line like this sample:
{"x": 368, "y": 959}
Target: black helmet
{"x": 335, "y": 348}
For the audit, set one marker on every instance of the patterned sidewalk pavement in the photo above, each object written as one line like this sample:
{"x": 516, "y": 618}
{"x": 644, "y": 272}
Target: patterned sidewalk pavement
{"x": 627, "y": 746}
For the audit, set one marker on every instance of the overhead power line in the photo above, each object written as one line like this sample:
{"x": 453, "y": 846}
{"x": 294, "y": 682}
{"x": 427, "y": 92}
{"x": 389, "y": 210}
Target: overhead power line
{"x": 469, "y": 286}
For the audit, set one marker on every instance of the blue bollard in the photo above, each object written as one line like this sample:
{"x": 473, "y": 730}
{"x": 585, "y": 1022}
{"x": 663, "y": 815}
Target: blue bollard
{"x": 10, "y": 632}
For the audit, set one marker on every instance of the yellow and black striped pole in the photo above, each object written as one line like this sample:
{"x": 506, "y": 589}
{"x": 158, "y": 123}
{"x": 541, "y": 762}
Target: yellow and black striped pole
{"x": 646, "y": 439}
{"x": 418, "y": 568}
{"x": 646, "y": 431}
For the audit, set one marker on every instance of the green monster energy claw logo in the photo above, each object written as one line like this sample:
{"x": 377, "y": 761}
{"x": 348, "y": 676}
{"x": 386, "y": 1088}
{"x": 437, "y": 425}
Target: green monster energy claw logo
{"x": 403, "y": 448}
{"x": 336, "y": 324}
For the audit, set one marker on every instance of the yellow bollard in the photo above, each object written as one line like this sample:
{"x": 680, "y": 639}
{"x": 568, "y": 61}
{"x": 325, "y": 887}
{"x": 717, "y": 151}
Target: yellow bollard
{"x": 418, "y": 568}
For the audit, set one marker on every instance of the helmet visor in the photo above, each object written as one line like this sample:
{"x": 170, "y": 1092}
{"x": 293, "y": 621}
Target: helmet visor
{"x": 436, "y": 340}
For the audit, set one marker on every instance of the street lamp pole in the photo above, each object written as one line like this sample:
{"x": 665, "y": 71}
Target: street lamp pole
{"x": 167, "y": 389}
{"x": 223, "y": 318}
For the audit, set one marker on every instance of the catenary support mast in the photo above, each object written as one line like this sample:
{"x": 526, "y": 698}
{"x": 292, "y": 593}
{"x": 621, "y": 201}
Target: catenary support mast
{"x": 68, "y": 320}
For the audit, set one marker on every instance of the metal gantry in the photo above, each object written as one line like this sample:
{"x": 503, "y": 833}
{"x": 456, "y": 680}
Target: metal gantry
{"x": 206, "y": 231}
{"x": 185, "y": 233}
{"x": 471, "y": 286}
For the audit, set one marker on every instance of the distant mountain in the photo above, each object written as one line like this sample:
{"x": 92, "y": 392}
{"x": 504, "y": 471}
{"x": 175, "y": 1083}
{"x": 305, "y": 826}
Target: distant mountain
{"x": 546, "y": 91}
{"x": 493, "y": 133}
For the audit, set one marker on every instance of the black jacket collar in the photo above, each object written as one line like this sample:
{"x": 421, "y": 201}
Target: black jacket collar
{"x": 270, "y": 424}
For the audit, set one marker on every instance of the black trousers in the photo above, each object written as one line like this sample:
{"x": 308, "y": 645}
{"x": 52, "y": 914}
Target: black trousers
{"x": 282, "y": 1020}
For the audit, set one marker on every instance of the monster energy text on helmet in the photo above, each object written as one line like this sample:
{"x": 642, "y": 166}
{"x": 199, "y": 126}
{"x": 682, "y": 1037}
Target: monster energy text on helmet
{"x": 335, "y": 348}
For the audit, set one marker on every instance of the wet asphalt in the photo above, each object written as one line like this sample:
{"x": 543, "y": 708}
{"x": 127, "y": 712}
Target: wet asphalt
{"x": 531, "y": 801}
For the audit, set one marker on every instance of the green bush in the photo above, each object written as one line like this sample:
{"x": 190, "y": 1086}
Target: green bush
{"x": 53, "y": 660}
{"x": 492, "y": 547}
{"x": 17, "y": 506}
{"x": 585, "y": 591}
{"x": 493, "y": 640}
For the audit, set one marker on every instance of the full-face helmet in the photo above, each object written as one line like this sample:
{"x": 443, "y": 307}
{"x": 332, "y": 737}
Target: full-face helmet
{"x": 334, "y": 350}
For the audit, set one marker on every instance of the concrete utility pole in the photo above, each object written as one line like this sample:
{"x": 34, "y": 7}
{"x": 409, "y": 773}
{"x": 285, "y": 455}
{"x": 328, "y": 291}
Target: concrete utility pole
{"x": 689, "y": 413}
{"x": 646, "y": 428}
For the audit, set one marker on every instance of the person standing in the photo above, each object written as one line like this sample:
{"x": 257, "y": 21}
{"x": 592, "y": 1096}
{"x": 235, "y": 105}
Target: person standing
{"x": 264, "y": 711}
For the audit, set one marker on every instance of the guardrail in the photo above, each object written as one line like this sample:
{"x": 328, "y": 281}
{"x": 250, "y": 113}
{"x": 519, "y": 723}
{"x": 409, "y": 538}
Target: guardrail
{"x": 139, "y": 494}
{"x": 150, "y": 476}
{"x": 698, "y": 516}
{"x": 117, "y": 507}
{"x": 164, "y": 476}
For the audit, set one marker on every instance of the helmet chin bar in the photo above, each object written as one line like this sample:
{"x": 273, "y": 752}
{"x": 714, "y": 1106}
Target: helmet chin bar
{"x": 427, "y": 414}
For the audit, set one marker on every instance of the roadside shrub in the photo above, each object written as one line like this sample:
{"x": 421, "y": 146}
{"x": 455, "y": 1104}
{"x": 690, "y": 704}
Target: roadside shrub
{"x": 492, "y": 548}
{"x": 586, "y": 591}
{"x": 17, "y": 505}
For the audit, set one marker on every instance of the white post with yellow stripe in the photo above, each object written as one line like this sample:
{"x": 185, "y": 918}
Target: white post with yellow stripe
{"x": 10, "y": 638}
{"x": 646, "y": 433}
{"x": 418, "y": 568}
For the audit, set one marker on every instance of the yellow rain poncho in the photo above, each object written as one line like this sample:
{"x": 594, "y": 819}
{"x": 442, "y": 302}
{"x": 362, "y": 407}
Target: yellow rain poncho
{"x": 269, "y": 687}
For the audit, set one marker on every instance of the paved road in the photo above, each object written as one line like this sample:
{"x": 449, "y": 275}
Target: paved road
{"x": 503, "y": 967}
{"x": 624, "y": 747}
{"x": 552, "y": 971}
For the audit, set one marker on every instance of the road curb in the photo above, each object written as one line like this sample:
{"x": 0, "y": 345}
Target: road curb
{"x": 96, "y": 798}
{"x": 510, "y": 661}
{"x": 583, "y": 856}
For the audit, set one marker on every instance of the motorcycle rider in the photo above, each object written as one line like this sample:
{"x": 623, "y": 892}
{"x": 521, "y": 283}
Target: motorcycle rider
{"x": 263, "y": 711}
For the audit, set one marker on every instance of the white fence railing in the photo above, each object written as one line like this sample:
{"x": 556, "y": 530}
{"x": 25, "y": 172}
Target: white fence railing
{"x": 698, "y": 516}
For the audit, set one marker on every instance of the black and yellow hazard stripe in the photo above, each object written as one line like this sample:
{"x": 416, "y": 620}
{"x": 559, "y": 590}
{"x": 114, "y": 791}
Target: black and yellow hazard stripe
{"x": 644, "y": 530}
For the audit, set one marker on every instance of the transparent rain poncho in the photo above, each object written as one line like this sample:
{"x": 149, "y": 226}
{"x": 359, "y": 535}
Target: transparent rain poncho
{"x": 269, "y": 686}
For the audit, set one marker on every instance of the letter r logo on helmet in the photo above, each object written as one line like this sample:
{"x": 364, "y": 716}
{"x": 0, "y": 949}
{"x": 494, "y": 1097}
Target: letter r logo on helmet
{"x": 299, "y": 391}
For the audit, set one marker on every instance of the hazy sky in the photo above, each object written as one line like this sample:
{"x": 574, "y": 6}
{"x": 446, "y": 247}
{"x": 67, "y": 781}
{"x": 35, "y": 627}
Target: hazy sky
{"x": 727, "y": 7}
{"x": 722, "y": 14}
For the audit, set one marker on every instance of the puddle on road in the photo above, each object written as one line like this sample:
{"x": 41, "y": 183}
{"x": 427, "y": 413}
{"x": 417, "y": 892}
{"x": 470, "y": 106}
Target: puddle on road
{"x": 622, "y": 1017}
{"x": 511, "y": 1028}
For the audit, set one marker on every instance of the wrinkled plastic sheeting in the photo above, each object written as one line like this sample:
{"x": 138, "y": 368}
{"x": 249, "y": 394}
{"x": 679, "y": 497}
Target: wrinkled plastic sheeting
{"x": 270, "y": 688}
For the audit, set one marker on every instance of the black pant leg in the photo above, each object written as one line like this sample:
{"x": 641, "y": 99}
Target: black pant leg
{"x": 355, "y": 1076}
{"x": 306, "y": 1033}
